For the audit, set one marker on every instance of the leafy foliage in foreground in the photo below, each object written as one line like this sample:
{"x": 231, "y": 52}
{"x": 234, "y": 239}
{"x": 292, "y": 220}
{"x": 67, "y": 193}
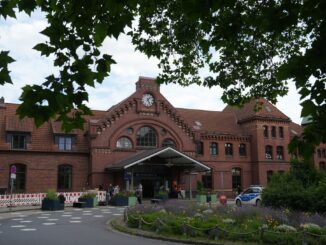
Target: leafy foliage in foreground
{"x": 236, "y": 224}
{"x": 251, "y": 49}
{"x": 303, "y": 188}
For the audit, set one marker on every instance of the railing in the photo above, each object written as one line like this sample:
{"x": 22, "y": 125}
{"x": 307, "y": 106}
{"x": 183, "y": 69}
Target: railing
{"x": 34, "y": 199}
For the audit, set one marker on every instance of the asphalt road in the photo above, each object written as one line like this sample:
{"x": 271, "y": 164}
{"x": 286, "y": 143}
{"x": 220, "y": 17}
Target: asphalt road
{"x": 71, "y": 226}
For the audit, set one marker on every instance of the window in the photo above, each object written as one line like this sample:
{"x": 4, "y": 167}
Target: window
{"x": 268, "y": 152}
{"x": 213, "y": 149}
{"x": 18, "y": 141}
{"x": 281, "y": 132}
{"x": 322, "y": 166}
{"x": 65, "y": 143}
{"x": 269, "y": 175}
{"x": 64, "y": 177}
{"x": 319, "y": 153}
{"x": 200, "y": 148}
{"x": 19, "y": 182}
{"x": 124, "y": 143}
{"x": 279, "y": 152}
{"x": 207, "y": 181}
{"x": 242, "y": 150}
{"x": 146, "y": 136}
{"x": 236, "y": 178}
{"x": 265, "y": 128}
{"x": 168, "y": 143}
{"x": 273, "y": 131}
{"x": 323, "y": 153}
{"x": 228, "y": 149}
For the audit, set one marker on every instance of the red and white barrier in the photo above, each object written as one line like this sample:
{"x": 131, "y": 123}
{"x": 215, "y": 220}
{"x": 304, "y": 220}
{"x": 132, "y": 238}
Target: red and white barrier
{"x": 34, "y": 199}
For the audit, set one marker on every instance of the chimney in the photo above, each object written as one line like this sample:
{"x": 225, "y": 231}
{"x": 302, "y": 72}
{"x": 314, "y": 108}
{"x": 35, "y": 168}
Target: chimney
{"x": 2, "y": 102}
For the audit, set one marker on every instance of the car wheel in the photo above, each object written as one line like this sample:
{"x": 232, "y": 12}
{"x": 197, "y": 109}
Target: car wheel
{"x": 238, "y": 203}
{"x": 258, "y": 203}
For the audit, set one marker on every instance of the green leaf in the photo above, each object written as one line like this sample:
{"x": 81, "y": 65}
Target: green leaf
{"x": 100, "y": 33}
{"x": 308, "y": 108}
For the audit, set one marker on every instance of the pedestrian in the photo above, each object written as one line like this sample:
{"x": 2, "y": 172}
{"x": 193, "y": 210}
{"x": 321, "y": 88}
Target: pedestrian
{"x": 116, "y": 190}
{"x": 139, "y": 193}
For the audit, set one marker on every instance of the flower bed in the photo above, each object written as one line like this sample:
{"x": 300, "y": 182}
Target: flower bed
{"x": 249, "y": 224}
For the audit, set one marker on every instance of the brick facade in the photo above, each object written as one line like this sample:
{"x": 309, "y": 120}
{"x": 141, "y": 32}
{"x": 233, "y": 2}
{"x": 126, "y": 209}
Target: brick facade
{"x": 95, "y": 149}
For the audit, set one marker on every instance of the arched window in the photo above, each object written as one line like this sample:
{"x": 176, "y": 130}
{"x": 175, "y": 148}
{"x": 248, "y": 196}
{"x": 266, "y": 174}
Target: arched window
{"x": 200, "y": 147}
{"x": 124, "y": 143}
{"x": 236, "y": 178}
{"x": 146, "y": 136}
{"x": 279, "y": 152}
{"x": 242, "y": 150}
{"x": 265, "y": 128}
{"x": 20, "y": 182}
{"x": 269, "y": 175}
{"x": 228, "y": 149}
{"x": 322, "y": 166}
{"x": 168, "y": 143}
{"x": 64, "y": 177}
{"x": 213, "y": 149}
{"x": 268, "y": 152}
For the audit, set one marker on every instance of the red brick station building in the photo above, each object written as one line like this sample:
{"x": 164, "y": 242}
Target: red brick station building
{"x": 145, "y": 139}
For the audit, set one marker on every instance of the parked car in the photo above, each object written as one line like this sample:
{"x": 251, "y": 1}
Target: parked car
{"x": 251, "y": 196}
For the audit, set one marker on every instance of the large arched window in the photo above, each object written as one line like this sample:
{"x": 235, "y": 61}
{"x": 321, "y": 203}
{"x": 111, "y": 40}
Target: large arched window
{"x": 64, "y": 177}
{"x": 124, "y": 143}
{"x": 236, "y": 178}
{"x": 146, "y": 136}
{"x": 168, "y": 143}
{"x": 213, "y": 149}
{"x": 20, "y": 182}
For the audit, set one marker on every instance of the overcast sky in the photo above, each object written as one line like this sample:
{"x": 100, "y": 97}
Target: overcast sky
{"x": 19, "y": 36}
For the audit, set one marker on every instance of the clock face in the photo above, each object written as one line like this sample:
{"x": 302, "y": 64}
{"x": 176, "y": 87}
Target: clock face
{"x": 148, "y": 100}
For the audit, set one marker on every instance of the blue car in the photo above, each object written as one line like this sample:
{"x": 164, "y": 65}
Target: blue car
{"x": 251, "y": 196}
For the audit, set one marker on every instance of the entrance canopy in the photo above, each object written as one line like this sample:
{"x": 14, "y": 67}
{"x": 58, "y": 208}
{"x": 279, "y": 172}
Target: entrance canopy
{"x": 165, "y": 156}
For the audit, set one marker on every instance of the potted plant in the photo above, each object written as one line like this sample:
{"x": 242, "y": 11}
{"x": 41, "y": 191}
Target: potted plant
{"x": 125, "y": 198}
{"x": 51, "y": 201}
{"x": 163, "y": 195}
{"x": 89, "y": 198}
{"x": 201, "y": 195}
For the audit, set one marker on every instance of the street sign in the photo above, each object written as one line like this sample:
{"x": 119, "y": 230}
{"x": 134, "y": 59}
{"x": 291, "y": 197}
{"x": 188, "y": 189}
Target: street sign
{"x": 13, "y": 169}
{"x": 13, "y": 176}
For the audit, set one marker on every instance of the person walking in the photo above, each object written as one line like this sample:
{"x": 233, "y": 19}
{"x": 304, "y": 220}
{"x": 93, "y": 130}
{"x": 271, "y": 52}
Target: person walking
{"x": 139, "y": 193}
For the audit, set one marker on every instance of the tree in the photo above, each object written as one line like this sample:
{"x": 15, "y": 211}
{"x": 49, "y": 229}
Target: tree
{"x": 251, "y": 49}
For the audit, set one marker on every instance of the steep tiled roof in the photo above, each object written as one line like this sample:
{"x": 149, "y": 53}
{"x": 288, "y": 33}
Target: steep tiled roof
{"x": 211, "y": 121}
{"x": 267, "y": 111}
{"x": 13, "y": 123}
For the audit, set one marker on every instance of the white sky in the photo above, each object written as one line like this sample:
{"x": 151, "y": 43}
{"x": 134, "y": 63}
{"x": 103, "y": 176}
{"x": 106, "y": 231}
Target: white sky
{"x": 19, "y": 36}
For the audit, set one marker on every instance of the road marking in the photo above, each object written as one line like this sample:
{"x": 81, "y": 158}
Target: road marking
{"x": 117, "y": 214}
{"x": 46, "y": 214}
{"x": 26, "y": 221}
{"x": 67, "y": 212}
{"x": 52, "y": 219}
{"x": 87, "y": 211}
{"x": 42, "y": 217}
{"x": 18, "y": 226}
{"x": 66, "y": 215}
{"x": 16, "y": 219}
{"x": 108, "y": 212}
{"x": 28, "y": 229}
{"x": 98, "y": 216}
{"x": 22, "y": 216}
{"x": 48, "y": 223}
{"x": 76, "y": 218}
{"x": 75, "y": 221}
{"x": 87, "y": 214}
{"x": 59, "y": 211}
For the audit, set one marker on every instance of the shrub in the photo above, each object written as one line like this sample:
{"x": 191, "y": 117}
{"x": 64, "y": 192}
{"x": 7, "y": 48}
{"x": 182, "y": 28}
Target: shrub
{"x": 51, "y": 194}
{"x": 87, "y": 195}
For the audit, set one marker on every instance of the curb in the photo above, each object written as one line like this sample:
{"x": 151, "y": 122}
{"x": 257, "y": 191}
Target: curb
{"x": 117, "y": 225}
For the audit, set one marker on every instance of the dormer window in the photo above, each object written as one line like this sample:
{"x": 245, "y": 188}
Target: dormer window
{"x": 64, "y": 142}
{"x": 18, "y": 140}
